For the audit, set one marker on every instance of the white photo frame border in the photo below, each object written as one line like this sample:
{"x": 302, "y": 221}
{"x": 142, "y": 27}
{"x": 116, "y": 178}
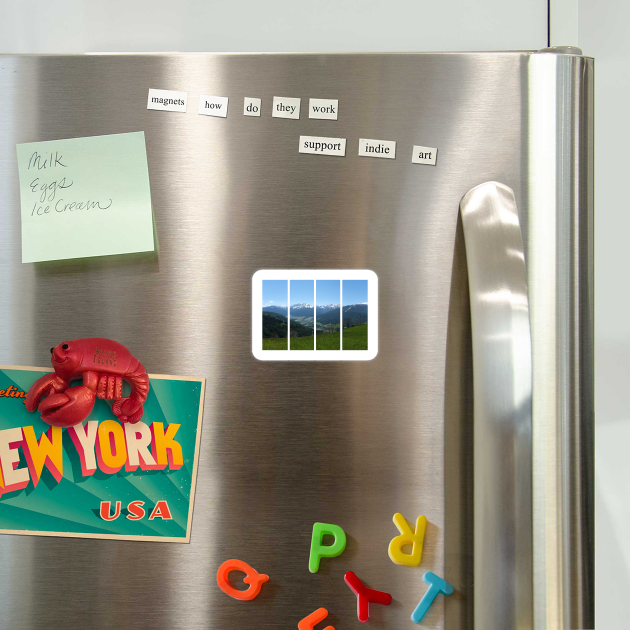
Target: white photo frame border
{"x": 315, "y": 275}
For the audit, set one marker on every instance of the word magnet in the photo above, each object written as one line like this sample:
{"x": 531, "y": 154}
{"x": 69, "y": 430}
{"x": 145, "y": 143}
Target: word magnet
{"x": 377, "y": 148}
{"x": 323, "y": 108}
{"x": 424, "y": 155}
{"x": 407, "y": 537}
{"x": 252, "y": 577}
{"x": 167, "y": 100}
{"x": 285, "y": 107}
{"x": 213, "y": 106}
{"x": 319, "y": 550}
{"x": 251, "y": 106}
{"x": 365, "y": 595}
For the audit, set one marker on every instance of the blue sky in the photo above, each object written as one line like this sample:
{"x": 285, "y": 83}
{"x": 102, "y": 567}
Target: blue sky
{"x": 274, "y": 292}
{"x": 355, "y": 292}
{"x": 328, "y": 292}
{"x": 302, "y": 291}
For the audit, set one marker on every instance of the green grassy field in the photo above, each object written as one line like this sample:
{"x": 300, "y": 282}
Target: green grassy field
{"x": 355, "y": 338}
{"x": 275, "y": 344}
{"x": 302, "y": 343}
{"x": 328, "y": 341}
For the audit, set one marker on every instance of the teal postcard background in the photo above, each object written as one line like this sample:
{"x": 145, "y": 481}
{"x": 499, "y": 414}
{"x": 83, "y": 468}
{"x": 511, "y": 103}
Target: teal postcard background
{"x": 72, "y": 505}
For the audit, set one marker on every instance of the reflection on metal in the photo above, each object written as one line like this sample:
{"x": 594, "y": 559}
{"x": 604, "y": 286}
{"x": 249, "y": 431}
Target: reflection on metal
{"x": 559, "y": 252}
{"x": 235, "y": 197}
{"x": 562, "y": 50}
{"x": 502, "y": 368}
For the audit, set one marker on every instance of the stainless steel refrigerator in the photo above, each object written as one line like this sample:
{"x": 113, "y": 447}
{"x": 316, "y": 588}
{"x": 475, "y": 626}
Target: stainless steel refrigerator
{"x": 477, "y": 410}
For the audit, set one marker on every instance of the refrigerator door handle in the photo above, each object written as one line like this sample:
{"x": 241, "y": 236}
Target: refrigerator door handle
{"x": 502, "y": 373}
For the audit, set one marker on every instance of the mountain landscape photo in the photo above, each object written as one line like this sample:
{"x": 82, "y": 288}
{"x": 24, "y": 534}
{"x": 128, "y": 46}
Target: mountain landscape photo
{"x": 302, "y": 315}
{"x": 328, "y": 327}
{"x": 274, "y": 315}
{"x": 305, "y": 326}
{"x": 354, "y": 315}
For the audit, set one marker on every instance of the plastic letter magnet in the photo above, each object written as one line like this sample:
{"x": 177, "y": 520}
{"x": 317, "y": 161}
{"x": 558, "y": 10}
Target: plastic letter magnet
{"x": 319, "y": 551}
{"x": 252, "y": 577}
{"x": 407, "y": 537}
{"x": 308, "y": 623}
{"x": 365, "y": 596}
{"x": 436, "y": 586}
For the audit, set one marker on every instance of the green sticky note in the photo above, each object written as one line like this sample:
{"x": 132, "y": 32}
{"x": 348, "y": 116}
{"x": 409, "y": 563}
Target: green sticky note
{"x": 85, "y": 197}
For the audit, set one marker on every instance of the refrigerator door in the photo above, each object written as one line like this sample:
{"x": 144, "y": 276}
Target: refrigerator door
{"x": 288, "y": 444}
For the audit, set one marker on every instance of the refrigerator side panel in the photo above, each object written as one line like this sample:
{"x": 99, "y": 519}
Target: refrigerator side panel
{"x": 559, "y": 254}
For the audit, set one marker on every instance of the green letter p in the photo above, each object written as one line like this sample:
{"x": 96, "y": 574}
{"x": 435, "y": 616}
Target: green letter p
{"x": 319, "y": 551}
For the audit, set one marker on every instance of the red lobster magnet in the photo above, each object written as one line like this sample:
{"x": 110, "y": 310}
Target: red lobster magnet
{"x": 102, "y": 364}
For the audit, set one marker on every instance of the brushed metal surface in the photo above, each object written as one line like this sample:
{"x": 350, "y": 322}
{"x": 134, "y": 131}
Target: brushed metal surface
{"x": 502, "y": 368}
{"x": 560, "y": 277}
{"x": 284, "y": 444}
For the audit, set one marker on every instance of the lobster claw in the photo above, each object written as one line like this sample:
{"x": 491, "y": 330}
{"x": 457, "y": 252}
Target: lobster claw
{"x": 68, "y": 408}
{"x": 43, "y": 386}
{"x": 128, "y": 410}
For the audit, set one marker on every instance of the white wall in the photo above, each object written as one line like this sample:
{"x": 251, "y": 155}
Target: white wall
{"x": 270, "y": 25}
{"x": 604, "y": 29}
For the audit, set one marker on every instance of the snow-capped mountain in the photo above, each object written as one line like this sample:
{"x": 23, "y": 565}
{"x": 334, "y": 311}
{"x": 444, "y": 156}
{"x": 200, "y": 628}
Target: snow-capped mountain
{"x": 301, "y": 310}
{"x": 275, "y": 309}
{"x": 321, "y": 308}
{"x": 354, "y": 313}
